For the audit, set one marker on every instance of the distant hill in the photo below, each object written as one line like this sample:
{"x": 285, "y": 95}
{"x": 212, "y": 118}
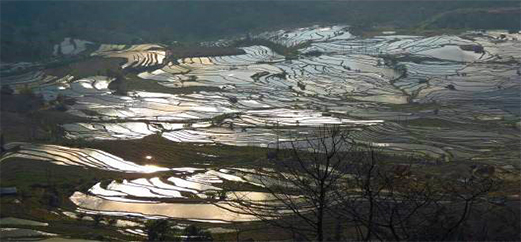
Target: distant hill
{"x": 504, "y": 18}
{"x": 29, "y": 29}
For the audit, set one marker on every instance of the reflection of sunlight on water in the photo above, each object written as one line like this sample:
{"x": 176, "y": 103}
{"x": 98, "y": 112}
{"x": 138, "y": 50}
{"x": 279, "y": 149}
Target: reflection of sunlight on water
{"x": 201, "y": 211}
{"x": 19, "y": 232}
{"x": 86, "y": 85}
{"x": 86, "y": 157}
{"x": 151, "y": 168}
{"x": 380, "y": 144}
{"x": 250, "y": 196}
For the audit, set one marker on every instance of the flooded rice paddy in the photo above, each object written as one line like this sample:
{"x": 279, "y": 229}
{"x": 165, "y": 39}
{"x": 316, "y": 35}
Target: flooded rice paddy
{"x": 348, "y": 84}
{"x": 451, "y": 104}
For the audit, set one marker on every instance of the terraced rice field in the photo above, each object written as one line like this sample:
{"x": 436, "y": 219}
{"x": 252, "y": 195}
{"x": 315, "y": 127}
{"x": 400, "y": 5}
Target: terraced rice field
{"x": 348, "y": 84}
{"x": 302, "y": 35}
{"x": 188, "y": 193}
{"x": 137, "y": 56}
{"x": 451, "y": 104}
{"x": 33, "y": 79}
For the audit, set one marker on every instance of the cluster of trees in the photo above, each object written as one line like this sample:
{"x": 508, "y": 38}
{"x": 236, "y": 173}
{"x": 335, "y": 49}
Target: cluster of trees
{"x": 337, "y": 190}
{"x": 61, "y": 102}
{"x": 392, "y": 61}
{"x": 119, "y": 84}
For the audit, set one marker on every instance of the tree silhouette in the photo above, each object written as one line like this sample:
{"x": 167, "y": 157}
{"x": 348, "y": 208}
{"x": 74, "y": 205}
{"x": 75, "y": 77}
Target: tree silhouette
{"x": 327, "y": 184}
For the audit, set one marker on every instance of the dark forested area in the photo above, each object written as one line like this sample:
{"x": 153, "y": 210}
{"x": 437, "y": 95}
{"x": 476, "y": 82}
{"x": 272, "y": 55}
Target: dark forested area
{"x": 28, "y": 28}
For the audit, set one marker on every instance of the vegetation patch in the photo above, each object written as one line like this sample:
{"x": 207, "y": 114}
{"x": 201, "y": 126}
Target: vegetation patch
{"x": 173, "y": 154}
{"x": 90, "y": 67}
{"x": 134, "y": 83}
{"x": 186, "y": 51}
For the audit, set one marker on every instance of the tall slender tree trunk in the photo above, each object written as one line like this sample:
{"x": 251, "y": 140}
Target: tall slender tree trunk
{"x": 320, "y": 225}
{"x": 321, "y": 208}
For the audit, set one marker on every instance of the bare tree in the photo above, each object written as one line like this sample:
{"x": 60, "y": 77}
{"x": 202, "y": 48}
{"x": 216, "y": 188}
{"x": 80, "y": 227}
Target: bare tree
{"x": 385, "y": 203}
{"x": 300, "y": 179}
{"x": 328, "y": 185}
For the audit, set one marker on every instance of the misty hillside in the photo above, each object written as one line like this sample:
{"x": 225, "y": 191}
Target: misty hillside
{"x": 28, "y": 26}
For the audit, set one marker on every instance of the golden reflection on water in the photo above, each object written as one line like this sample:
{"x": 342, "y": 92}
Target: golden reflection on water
{"x": 199, "y": 211}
